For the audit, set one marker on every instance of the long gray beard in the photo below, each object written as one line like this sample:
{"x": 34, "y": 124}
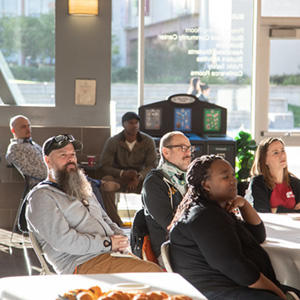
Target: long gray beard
{"x": 73, "y": 183}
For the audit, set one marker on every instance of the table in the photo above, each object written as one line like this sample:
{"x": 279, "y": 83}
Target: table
{"x": 48, "y": 287}
{"x": 91, "y": 171}
{"x": 283, "y": 246}
{"x": 84, "y": 165}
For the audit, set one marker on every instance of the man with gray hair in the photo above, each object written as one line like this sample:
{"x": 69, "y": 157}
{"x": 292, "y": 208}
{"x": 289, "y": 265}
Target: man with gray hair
{"x": 164, "y": 187}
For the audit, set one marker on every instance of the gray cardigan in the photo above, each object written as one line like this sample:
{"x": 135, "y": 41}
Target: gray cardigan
{"x": 67, "y": 231}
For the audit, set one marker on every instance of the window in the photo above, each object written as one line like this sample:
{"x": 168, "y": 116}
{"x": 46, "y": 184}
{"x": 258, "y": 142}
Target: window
{"x": 28, "y": 59}
{"x": 124, "y": 57}
{"x": 279, "y": 8}
{"x": 211, "y": 40}
{"x": 284, "y": 110}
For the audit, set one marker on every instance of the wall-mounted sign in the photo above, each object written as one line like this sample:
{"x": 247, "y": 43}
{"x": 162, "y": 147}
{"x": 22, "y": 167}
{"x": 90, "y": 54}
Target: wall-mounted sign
{"x": 85, "y": 92}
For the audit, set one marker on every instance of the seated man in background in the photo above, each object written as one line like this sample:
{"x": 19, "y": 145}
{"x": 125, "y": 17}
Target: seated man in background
{"x": 73, "y": 230}
{"x": 26, "y": 155}
{"x": 164, "y": 187}
{"x": 126, "y": 159}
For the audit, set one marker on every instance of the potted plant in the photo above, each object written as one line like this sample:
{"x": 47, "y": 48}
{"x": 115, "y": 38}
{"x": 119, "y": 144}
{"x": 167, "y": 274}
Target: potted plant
{"x": 246, "y": 147}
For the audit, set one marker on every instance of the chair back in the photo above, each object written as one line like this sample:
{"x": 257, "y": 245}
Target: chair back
{"x": 20, "y": 221}
{"x": 39, "y": 253}
{"x": 138, "y": 231}
{"x": 165, "y": 254}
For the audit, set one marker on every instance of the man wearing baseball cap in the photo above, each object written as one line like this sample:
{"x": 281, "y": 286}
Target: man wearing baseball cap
{"x": 70, "y": 225}
{"x": 27, "y": 156}
{"x": 126, "y": 159}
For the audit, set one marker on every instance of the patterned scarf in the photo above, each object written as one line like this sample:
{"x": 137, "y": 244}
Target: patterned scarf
{"x": 176, "y": 176}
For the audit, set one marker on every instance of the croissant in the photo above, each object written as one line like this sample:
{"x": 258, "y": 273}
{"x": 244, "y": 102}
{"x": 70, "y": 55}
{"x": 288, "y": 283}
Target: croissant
{"x": 95, "y": 293}
{"x": 84, "y": 294}
{"x": 115, "y": 295}
{"x": 179, "y": 297}
{"x": 157, "y": 295}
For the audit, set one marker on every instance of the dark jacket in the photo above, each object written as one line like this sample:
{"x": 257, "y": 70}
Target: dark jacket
{"x": 261, "y": 195}
{"x": 160, "y": 199}
{"x": 116, "y": 155}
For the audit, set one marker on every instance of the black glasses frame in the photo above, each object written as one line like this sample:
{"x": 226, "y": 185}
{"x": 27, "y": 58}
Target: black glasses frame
{"x": 183, "y": 147}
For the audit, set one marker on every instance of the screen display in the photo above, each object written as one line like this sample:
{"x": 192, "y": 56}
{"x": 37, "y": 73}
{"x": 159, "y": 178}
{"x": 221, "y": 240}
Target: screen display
{"x": 153, "y": 119}
{"x": 212, "y": 119}
{"x": 183, "y": 119}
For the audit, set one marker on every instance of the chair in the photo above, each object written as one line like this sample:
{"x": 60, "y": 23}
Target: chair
{"x": 139, "y": 238}
{"x": 25, "y": 191}
{"x": 166, "y": 256}
{"x": 44, "y": 270}
{"x": 138, "y": 231}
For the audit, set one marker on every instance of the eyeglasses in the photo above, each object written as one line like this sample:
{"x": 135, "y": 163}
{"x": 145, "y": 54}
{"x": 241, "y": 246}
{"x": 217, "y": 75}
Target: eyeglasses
{"x": 59, "y": 139}
{"x": 184, "y": 148}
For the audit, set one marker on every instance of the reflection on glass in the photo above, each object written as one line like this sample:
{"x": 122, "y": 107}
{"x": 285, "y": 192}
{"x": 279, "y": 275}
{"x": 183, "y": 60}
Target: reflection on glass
{"x": 208, "y": 39}
{"x": 27, "y": 52}
{"x": 284, "y": 106}
{"x": 124, "y": 91}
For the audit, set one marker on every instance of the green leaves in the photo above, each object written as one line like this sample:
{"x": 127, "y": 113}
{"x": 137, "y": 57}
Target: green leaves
{"x": 29, "y": 36}
{"x": 246, "y": 147}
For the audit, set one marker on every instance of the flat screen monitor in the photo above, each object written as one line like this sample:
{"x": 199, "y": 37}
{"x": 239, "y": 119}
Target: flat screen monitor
{"x": 212, "y": 120}
{"x": 183, "y": 119}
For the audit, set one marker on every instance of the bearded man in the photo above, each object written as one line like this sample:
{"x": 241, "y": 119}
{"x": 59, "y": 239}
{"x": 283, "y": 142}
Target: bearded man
{"x": 73, "y": 230}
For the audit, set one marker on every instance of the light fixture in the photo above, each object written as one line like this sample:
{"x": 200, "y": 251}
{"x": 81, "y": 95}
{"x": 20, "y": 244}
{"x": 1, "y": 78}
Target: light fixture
{"x": 83, "y": 7}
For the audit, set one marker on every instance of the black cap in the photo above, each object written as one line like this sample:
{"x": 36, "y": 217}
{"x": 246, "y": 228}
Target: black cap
{"x": 129, "y": 116}
{"x": 60, "y": 141}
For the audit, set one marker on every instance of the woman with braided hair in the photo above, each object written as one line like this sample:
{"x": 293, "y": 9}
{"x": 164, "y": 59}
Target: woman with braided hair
{"x": 214, "y": 250}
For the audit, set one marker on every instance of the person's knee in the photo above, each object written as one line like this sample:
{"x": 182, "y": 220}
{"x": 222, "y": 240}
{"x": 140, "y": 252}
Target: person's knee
{"x": 108, "y": 178}
{"x": 148, "y": 266}
{"x": 155, "y": 268}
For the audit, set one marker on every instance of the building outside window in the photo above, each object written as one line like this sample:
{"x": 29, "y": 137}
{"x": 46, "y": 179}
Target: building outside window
{"x": 209, "y": 39}
{"x": 27, "y": 52}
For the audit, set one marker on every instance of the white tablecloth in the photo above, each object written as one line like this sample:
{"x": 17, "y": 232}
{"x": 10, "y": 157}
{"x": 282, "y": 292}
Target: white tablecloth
{"x": 283, "y": 246}
{"x": 48, "y": 287}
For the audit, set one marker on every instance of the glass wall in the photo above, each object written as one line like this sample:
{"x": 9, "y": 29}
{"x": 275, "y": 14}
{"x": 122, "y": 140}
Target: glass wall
{"x": 186, "y": 39}
{"x": 124, "y": 90}
{"x": 284, "y": 94}
{"x": 27, "y": 52}
{"x": 279, "y": 8}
